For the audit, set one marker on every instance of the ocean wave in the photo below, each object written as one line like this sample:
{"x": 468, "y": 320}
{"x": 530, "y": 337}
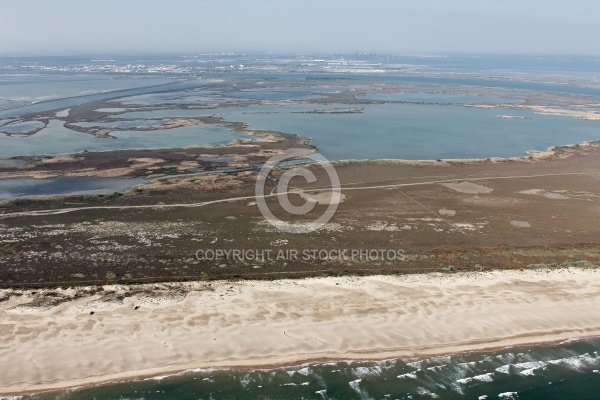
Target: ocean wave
{"x": 412, "y": 375}
{"x": 424, "y": 392}
{"x": 355, "y": 385}
{"x": 489, "y": 377}
{"x": 577, "y": 363}
{"x": 362, "y": 372}
{"x": 508, "y": 395}
{"x": 436, "y": 368}
{"x": 185, "y": 372}
{"x": 461, "y": 375}
{"x": 245, "y": 380}
{"x": 306, "y": 371}
{"x": 505, "y": 369}
{"x": 416, "y": 364}
{"x": 529, "y": 368}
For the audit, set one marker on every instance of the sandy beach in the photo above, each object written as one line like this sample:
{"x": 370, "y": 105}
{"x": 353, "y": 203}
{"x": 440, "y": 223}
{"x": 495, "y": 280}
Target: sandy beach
{"x": 161, "y": 328}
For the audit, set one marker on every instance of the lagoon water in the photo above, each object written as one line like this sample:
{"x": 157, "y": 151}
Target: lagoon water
{"x": 36, "y": 87}
{"x": 408, "y": 131}
{"x": 51, "y": 104}
{"x": 13, "y": 188}
{"x": 56, "y": 139}
{"x": 438, "y": 98}
{"x": 570, "y": 370}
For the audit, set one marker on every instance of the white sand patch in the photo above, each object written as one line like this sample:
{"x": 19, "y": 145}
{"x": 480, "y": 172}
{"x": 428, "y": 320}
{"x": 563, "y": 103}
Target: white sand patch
{"x": 325, "y": 198}
{"x": 467, "y": 187}
{"x": 520, "y": 224}
{"x": 555, "y": 195}
{"x": 512, "y": 117}
{"x": 465, "y": 226}
{"x": 145, "y": 161}
{"x": 63, "y": 113}
{"x": 589, "y": 115}
{"x": 111, "y": 110}
{"x": 60, "y": 159}
{"x": 382, "y": 226}
{"x": 447, "y": 213}
{"x": 301, "y": 227}
{"x": 532, "y": 191}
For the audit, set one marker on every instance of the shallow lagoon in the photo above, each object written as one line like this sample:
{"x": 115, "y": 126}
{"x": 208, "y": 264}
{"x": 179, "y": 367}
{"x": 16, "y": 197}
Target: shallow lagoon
{"x": 37, "y": 87}
{"x": 193, "y": 97}
{"x": 56, "y": 139}
{"x": 274, "y": 95}
{"x": 12, "y": 188}
{"x": 73, "y": 101}
{"x": 440, "y": 98}
{"x": 409, "y": 131}
{"x": 20, "y": 127}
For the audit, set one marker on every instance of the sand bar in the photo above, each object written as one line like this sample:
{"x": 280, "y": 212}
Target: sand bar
{"x": 250, "y": 323}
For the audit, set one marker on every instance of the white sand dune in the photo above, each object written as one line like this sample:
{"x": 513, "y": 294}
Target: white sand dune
{"x": 254, "y": 323}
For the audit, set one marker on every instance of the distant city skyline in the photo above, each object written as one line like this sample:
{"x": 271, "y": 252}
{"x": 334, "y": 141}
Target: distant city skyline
{"x": 308, "y": 26}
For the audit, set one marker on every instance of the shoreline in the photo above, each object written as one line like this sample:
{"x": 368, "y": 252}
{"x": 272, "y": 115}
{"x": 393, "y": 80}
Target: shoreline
{"x": 536, "y": 154}
{"x": 166, "y": 372}
{"x": 402, "y": 309}
{"x": 531, "y": 156}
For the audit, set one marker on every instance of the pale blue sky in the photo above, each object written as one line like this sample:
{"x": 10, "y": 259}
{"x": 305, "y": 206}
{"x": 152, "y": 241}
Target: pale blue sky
{"x": 389, "y": 26}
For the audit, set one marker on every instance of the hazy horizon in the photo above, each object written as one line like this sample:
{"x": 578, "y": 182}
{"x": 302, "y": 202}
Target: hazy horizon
{"x": 425, "y": 27}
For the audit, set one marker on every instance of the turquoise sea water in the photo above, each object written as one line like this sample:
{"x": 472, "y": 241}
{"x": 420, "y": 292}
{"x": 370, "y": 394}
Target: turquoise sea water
{"x": 569, "y": 370}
